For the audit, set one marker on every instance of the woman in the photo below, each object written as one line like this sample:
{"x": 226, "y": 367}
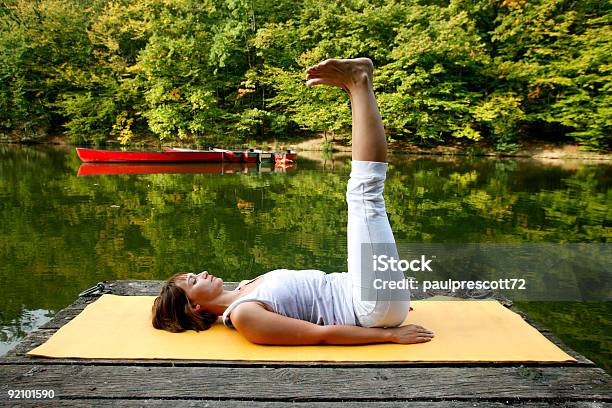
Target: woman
{"x": 310, "y": 307}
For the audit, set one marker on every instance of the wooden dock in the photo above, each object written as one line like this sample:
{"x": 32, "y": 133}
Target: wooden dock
{"x": 205, "y": 383}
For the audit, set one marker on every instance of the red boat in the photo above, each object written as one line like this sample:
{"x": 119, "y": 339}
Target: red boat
{"x": 92, "y": 155}
{"x": 173, "y": 154}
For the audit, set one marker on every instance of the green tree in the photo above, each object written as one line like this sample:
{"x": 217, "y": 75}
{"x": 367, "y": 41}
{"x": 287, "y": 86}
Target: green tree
{"x": 498, "y": 71}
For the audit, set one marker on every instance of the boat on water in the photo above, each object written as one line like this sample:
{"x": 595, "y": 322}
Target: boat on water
{"x": 115, "y": 156}
{"x": 174, "y": 155}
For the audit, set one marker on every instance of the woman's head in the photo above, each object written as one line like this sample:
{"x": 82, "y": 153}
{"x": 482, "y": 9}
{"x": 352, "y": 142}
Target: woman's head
{"x": 180, "y": 304}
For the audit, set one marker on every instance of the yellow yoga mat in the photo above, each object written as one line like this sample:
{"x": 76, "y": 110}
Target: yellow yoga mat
{"x": 119, "y": 327}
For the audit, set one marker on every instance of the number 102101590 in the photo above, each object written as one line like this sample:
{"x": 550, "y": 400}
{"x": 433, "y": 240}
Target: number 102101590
{"x": 31, "y": 394}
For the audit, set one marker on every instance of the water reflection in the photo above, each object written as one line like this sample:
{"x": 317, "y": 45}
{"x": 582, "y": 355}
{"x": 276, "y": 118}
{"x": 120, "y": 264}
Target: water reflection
{"x": 60, "y": 234}
{"x": 13, "y": 330}
{"x": 103, "y": 169}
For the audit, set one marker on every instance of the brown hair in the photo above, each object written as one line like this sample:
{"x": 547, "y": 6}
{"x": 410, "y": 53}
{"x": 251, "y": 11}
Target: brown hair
{"x": 173, "y": 312}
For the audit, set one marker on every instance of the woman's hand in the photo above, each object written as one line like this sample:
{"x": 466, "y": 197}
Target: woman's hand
{"x": 409, "y": 334}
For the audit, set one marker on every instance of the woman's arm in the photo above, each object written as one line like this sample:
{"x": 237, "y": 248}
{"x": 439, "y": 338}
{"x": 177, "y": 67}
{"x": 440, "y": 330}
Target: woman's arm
{"x": 261, "y": 326}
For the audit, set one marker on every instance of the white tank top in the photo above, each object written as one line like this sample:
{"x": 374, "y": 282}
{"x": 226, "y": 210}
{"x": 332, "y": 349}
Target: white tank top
{"x": 314, "y": 296}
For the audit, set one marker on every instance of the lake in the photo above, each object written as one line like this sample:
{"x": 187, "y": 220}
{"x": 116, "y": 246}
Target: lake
{"x": 61, "y": 234}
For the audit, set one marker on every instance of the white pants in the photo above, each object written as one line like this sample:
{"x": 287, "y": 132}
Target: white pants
{"x": 368, "y": 224}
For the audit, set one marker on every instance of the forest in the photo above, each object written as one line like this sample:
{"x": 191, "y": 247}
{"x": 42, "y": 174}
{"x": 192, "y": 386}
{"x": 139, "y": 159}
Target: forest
{"x": 225, "y": 72}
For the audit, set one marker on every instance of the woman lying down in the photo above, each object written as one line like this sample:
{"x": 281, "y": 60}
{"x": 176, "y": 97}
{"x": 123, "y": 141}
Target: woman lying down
{"x": 311, "y": 307}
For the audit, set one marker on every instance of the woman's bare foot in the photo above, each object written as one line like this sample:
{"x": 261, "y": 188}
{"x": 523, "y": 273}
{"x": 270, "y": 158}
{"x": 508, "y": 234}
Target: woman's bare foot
{"x": 347, "y": 74}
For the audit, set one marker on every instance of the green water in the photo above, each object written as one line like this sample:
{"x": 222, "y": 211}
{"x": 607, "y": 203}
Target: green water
{"x": 60, "y": 233}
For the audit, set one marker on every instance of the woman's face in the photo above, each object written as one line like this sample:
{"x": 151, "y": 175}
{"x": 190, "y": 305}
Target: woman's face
{"x": 201, "y": 288}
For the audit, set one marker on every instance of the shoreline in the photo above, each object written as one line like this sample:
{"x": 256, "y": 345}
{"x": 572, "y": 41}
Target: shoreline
{"x": 535, "y": 150}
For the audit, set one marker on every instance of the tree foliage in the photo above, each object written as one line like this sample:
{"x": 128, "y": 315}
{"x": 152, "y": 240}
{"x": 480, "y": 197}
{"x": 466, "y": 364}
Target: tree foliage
{"x": 227, "y": 71}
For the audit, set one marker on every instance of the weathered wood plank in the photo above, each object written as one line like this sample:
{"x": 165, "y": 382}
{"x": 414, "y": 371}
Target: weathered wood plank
{"x": 311, "y": 384}
{"x": 275, "y": 404}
